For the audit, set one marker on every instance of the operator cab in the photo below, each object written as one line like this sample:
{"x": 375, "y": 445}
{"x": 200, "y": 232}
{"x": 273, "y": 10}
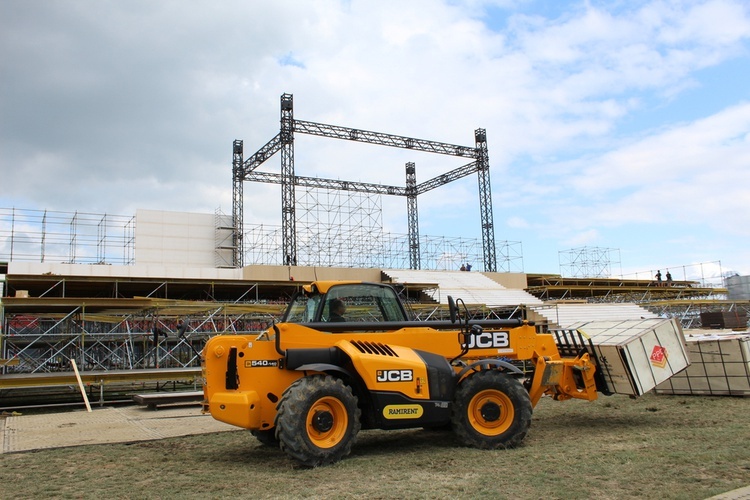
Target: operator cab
{"x": 329, "y": 302}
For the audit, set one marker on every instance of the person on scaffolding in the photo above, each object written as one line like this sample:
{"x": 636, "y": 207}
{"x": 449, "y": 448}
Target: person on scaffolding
{"x": 158, "y": 332}
{"x": 182, "y": 327}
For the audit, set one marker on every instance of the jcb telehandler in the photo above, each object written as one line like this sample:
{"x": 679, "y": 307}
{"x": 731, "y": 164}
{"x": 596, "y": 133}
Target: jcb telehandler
{"x": 346, "y": 357}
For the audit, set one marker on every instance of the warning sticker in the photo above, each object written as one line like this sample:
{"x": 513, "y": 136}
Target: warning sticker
{"x": 659, "y": 356}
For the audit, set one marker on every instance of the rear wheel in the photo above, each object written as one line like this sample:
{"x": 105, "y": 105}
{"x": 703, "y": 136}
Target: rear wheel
{"x": 491, "y": 410}
{"x": 317, "y": 420}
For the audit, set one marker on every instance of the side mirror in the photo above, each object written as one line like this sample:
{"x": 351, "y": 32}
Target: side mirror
{"x": 452, "y": 309}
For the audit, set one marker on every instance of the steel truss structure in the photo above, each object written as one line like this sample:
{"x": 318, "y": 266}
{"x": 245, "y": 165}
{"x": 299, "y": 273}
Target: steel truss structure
{"x": 247, "y": 170}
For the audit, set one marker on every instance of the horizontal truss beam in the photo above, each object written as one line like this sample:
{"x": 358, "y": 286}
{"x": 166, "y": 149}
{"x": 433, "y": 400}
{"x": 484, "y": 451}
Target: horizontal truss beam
{"x": 382, "y": 139}
{"x": 314, "y": 182}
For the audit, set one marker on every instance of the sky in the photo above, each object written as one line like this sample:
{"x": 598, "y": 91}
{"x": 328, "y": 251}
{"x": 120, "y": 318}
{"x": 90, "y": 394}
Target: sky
{"x": 620, "y": 125}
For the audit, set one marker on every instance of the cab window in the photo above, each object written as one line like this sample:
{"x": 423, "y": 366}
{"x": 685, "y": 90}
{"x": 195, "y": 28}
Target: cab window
{"x": 302, "y": 309}
{"x": 362, "y": 303}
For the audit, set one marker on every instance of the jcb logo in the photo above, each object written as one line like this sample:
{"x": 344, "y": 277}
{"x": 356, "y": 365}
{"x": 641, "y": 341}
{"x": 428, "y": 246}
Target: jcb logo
{"x": 487, "y": 340}
{"x": 395, "y": 376}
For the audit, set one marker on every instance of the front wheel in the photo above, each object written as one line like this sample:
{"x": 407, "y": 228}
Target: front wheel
{"x": 317, "y": 421}
{"x": 491, "y": 410}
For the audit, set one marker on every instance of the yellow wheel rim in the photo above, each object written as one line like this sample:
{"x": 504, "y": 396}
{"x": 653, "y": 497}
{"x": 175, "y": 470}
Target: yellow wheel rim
{"x": 491, "y": 412}
{"x": 327, "y": 422}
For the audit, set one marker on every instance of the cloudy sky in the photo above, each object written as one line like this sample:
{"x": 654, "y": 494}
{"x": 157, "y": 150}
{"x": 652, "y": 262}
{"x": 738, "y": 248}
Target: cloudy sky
{"x": 611, "y": 124}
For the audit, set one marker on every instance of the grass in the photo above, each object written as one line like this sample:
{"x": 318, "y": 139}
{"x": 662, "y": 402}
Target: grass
{"x": 667, "y": 447}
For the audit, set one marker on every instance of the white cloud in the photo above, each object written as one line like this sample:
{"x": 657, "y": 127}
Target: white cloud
{"x": 695, "y": 173}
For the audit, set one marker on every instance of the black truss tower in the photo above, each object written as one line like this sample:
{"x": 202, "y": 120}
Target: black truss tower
{"x": 288, "y": 223}
{"x": 238, "y": 177}
{"x": 412, "y": 215}
{"x": 485, "y": 200}
{"x": 284, "y": 142}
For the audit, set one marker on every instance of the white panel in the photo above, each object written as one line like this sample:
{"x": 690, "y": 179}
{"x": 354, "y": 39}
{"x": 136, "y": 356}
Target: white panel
{"x": 569, "y": 315}
{"x": 134, "y": 271}
{"x": 472, "y": 287}
{"x": 178, "y": 239}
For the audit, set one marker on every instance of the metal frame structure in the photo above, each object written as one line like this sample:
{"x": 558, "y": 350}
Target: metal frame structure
{"x": 90, "y": 238}
{"x": 284, "y": 143}
{"x": 68, "y": 237}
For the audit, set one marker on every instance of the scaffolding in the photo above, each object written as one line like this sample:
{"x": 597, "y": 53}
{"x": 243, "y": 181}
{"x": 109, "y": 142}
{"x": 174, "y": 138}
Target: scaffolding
{"x": 338, "y": 228}
{"x": 66, "y": 237}
{"x": 688, "y": 311}
{"x": 589, "y": 262}
{"x": 262, "y": 245}
{"x": 708, "y": 274}
{"x": 119, "y": 334}
{"x": 388, "y": 251}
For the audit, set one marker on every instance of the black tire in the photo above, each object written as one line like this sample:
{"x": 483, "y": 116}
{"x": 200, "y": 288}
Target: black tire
{"x": 317, "y": 421}
{"x": 266, "y": 437}
{"x": 491, "y": 410}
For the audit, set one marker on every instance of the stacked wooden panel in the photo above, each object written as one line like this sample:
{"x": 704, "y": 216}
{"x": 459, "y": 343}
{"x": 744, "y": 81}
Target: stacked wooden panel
{"x": 719, "y": 366}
